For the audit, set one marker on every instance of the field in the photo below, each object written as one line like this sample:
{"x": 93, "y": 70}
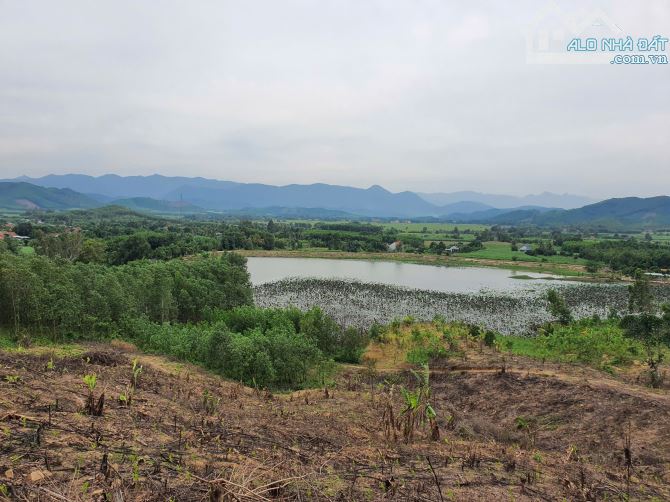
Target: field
{"x": 434, "y": 227}
{"x": 503, "y": 251}
{"x": 435, "y": 232}
{"x": 505, "y": 428}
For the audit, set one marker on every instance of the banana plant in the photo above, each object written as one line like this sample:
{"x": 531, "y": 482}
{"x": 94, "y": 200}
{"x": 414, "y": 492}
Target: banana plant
{"x": 417, "y": 410}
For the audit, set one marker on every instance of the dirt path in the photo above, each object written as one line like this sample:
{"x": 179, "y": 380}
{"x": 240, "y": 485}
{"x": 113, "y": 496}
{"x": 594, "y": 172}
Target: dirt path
{"x": 592, "y": 382}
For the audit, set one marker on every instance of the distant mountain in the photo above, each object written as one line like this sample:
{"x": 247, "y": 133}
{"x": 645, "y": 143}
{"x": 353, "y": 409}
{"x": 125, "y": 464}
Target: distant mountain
{"x": 114, "y": 186}
{"x": 464, "y": 207}
{"x": 157, "y": 206}
{"x": 219, "y": 195}
{"x": 495, "y": 214}
{"x": 650, "y": 212}
{"x": 611, "y": 214}
{"x": 24, "y": 196}
{"x": 545, "y": 199}
{"x": 373, "y": 201}
{"x": 306, "y": 213}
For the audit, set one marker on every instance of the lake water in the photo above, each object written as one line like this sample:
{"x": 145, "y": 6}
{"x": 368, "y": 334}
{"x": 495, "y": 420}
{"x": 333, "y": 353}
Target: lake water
{"x": 431, "y": 277}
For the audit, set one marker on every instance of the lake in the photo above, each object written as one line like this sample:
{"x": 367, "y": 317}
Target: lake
{"x": 427, "y": 277}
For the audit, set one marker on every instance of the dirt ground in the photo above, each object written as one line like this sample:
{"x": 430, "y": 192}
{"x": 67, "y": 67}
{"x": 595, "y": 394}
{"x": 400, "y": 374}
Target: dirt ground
{"x": 509, "y": 429}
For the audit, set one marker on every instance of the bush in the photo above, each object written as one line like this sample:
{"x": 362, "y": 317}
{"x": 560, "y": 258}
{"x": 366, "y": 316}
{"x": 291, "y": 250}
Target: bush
{"x": 489, "y": 338}
{"x": 600, "y": 344}
{"x": 264, "y": 353}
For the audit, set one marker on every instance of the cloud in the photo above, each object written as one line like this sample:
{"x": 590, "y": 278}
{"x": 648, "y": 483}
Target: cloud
{"x": 412, "y": 94}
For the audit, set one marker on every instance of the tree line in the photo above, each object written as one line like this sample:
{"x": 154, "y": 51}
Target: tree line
{"x": 198, "y": 309}
{"x": 57, "y": 298}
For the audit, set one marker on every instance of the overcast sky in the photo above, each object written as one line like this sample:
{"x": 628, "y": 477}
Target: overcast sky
{"x": 425, "y": 95}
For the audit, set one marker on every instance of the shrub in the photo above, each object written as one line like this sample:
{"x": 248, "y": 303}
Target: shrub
{"x": 600, "y": 344}
{"x": 558, "y": 308}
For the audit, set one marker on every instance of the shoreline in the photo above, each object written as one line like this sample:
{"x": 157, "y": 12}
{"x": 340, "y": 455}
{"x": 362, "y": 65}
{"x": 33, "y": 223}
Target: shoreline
{"x": 567, "y": 272}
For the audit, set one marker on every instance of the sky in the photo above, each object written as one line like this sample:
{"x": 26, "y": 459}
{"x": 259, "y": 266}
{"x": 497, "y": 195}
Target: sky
{"x": 422, "y": 95}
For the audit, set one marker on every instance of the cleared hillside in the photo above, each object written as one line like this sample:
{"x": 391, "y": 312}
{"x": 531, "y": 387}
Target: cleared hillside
{"x": 506, "y": 429}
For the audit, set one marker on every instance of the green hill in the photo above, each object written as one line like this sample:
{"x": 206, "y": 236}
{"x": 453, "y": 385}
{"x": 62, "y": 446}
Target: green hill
{"x": 628, "y": 211}
{"x": 610, "y": 214}
{"x": 25, "y": 196}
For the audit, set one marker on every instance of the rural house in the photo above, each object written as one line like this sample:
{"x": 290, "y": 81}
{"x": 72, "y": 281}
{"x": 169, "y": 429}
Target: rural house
{"x": 4, "y": 234}
{"x": 394, "y": 246}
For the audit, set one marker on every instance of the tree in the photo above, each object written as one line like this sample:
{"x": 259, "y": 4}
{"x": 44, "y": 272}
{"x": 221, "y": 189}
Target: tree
{"x": 93, "y": 251}
{"x": 67, "y": 245}
{"x": 317, "y": 326}
{"x": 11, "y": 245}
{"x": 558, "y": 308}
{"x": 651, "y": 330}
{"x": 134, "y": 247}
{"x": 592, "y": 266}
{"x": 268, "y": 241}
{"x": 654, "y": 334}
{"x": 640, "y": 298}
{"x": 24, "y": 228}
{"x": 351, "y": 346}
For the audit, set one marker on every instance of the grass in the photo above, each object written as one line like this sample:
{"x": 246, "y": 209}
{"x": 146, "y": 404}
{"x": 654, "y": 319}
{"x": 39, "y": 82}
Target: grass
{"x": 409, "y": 343}
{"x": 503, "y": 251}
{"x": 601, "y": 345}
{"x": 40, "y": 346}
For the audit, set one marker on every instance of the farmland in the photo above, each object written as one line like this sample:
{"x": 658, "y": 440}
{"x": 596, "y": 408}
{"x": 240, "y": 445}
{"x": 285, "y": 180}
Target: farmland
{"x": 503, "y": 251}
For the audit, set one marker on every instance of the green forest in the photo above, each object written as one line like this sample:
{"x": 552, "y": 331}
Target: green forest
{"x": 197, "y": 309}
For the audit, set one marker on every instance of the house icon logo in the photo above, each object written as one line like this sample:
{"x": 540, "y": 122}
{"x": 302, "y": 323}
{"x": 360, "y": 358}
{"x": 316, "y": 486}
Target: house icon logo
{"x": 553, "y": 28}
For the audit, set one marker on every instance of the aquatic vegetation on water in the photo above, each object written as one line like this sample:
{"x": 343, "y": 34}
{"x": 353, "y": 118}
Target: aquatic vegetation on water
{"x": 358, "y": 304}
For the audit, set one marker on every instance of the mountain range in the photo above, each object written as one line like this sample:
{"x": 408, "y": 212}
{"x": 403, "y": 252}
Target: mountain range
{"x": 217, "y": 195}
{"x": 545, "y": 199}
{"x": 183, "y": 195}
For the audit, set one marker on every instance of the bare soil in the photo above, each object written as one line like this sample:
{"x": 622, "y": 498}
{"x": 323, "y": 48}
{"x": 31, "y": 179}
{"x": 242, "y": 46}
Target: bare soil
{"x": 509, "y": 429}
